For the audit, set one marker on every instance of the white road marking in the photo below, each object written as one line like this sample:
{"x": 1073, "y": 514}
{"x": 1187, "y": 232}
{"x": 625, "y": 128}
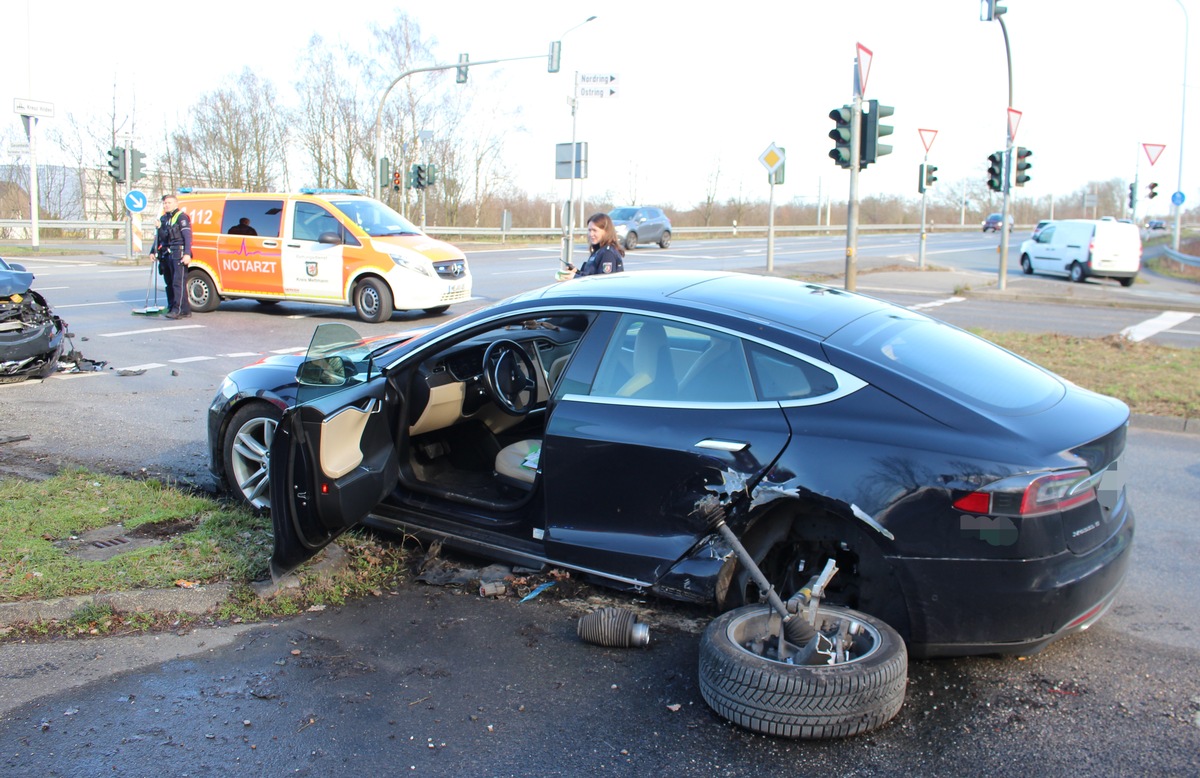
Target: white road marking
{"x": 935, "y": 303}
{"x": 289, "y": 350}
{"x": 240, "y": 354}
{"x": 88, "y": 305}
{"x": 147, "y": 366}
{"x": 183, "y": 360}
{"x": 151, "y": 329}
{"x": 1151, "y": 327}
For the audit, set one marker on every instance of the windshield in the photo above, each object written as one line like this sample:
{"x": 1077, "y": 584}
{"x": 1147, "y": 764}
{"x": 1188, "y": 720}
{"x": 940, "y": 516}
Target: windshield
{"x": 375, "y": 218}
{"x": 622, "y": 214}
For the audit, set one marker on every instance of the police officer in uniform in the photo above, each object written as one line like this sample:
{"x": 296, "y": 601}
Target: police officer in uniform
{"x": 175, "y": 234}
{"x": 159, "y": 252}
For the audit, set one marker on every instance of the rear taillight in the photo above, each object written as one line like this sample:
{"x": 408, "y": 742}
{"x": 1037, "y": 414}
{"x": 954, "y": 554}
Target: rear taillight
{"x": 1032, "y": 495}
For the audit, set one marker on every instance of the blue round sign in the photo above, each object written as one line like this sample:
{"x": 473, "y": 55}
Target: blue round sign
{"x": 1177, "y": 198}
{"x": 135, "y": 201}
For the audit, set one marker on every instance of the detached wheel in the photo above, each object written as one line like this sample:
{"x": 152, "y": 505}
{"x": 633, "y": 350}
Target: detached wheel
{"x": 202, "y": 292}
{"x": 1077, "y": 274}
{"x": 373, "y": 300}
{"x": 246, "y": 451}
{"x": 1026, "y": 265}
{"x": 742, "y": 679}
{"x": 665, "y": 240}
{"x": 631, "y": 241}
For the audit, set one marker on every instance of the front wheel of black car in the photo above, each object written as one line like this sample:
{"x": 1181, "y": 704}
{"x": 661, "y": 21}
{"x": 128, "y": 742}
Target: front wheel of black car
{"x": 246, "y": 452}
{"x": 859, "y": 686}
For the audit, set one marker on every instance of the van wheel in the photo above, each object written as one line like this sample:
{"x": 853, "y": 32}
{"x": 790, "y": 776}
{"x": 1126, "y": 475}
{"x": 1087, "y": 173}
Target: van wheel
{"x": 1026, "y": 265}
{"x": 631, "y": 241}
{"x": 373, "y": 300}
{"x": 1127, "y": 281}
{"x": 201, "y": 292}
{"x": 1077, "y": 274}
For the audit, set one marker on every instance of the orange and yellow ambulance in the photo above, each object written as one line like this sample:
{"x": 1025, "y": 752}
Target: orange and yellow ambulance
{"x": 318, "y": 246}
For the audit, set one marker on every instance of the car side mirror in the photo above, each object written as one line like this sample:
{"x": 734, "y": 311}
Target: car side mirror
{"x": 328, "y": 371}
{"x": 17, "y": 267}
{"x": 330, "y": 238}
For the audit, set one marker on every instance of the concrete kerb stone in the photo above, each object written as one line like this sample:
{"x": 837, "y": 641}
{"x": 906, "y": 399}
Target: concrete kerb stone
{"x": 195, "y": 601}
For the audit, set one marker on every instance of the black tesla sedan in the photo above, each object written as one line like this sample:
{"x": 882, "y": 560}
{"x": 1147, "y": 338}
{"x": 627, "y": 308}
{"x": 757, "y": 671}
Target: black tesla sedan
{"x": 971, "y": 499}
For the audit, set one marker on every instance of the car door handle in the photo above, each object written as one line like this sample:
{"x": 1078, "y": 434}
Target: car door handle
{"x": 723, "y": 445}
{"x": 293, "y": 245}
{"x": 270, "y": 243}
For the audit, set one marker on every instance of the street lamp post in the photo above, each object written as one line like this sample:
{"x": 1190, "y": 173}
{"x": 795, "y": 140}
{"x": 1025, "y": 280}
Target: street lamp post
{"x": 569, "y": 218}
{"x": 1182, "y": 131}
{"x": 991, "y": 10}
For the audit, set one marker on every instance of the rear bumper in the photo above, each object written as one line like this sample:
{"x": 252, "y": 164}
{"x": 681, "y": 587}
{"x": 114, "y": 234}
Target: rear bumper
{"x": 1012, "y": 606}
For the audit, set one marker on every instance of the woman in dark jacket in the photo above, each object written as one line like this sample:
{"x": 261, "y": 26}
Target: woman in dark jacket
{"x": 607, "y": 256}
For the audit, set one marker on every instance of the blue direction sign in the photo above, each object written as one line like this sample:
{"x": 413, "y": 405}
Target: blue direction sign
{"x": 1177, "y": 198}
{"x": 135, "y": 201}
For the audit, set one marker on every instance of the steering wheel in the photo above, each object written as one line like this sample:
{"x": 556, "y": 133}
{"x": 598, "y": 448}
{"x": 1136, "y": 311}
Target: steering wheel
{"x": 508, "y": 373}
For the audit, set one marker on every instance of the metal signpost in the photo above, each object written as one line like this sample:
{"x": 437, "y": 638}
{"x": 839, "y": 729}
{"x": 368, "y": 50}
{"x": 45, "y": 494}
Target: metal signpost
{"x": 924, "y": 176}
{"x": 30, "y": 110}
{"x": 772, "y": 159}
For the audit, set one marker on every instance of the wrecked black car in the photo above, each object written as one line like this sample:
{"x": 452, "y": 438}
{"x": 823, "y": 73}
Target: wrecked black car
{"x": 969, "y": 498}
{"x": 31, "y": 335}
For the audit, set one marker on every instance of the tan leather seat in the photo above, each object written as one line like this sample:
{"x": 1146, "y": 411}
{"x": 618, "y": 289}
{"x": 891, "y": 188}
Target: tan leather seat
{"x": 516, "y": 464}
{"x": 653, "y": 376}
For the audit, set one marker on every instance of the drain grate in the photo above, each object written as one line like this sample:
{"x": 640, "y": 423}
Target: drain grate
{"x": 110, "y": 543}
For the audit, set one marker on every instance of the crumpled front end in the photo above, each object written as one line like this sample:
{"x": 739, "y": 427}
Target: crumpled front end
{"x": 31, "y": 337}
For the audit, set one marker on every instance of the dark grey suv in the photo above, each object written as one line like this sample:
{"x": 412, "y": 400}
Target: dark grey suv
{"x": 641, "y": 225}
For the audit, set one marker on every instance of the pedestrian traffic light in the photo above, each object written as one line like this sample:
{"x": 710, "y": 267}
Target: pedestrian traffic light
{"x": 1023, "y": 165}
{"x": 460, "y": 76}
{"x": 116, "y": 164}
{"x": 873, "y": 130}
{"x": 555, "y": 59}
{"x": 1132, "y": 196}
{"x": 396, "y": 180}
{"x": 840, "y": 153}
{"x": 996, "y": 171}
{"x": 1151, "y": 191}
{"x": 135, "y": 164}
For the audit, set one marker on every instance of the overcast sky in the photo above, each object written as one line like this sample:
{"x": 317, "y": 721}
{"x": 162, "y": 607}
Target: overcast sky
{"x": 699, "y": 86}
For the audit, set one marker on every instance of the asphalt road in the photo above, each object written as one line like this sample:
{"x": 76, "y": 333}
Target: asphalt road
{"x": 427, "y": 680}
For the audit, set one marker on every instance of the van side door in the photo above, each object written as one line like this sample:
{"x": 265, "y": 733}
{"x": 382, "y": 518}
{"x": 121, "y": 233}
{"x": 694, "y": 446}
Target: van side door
{"x": 312, "y": 258}
{"x": 248, "y": 246}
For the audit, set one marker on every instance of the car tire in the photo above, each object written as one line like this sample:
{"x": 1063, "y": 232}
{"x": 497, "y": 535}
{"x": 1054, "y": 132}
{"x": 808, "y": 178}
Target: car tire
{"x": 1077, "y": 274}
{"x": 201, "y": 292}
{"x": 373, "y": 300}
{"x": 631, "y": 241}
{"x": 1026, "y": 265}
{"x": 245, "y": 453}
{"x": 777, "y": 698}
{"x": 1127, "y": 281}
{"x": 665, "y": 240}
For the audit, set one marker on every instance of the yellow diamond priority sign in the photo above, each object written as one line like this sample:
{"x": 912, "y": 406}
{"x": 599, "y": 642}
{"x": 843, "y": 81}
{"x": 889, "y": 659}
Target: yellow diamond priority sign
{"x": 772, "y": 158}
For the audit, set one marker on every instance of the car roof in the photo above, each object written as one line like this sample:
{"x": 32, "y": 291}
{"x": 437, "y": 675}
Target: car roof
{"x": 814, "y": 308}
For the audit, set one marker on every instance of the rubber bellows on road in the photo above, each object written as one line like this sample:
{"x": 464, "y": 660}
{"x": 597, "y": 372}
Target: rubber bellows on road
{"x": 615, "y": 627}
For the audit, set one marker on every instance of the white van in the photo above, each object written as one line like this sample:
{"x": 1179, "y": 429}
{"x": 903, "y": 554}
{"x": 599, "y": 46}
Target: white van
{"x": 1083, "y": 248}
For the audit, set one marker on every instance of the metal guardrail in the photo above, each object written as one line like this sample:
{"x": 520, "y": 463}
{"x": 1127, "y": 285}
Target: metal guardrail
{"x": 1186, "y": 259}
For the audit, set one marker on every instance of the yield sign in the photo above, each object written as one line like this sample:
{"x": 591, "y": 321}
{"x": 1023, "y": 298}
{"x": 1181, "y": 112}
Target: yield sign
{"x": 863, "y": 63}
{"x": 1014, "y": 119}
{"x": 1153, "y": 151}
{"x": 927, "y": 137}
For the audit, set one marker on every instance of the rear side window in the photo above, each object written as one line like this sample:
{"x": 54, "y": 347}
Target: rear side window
{"x": 782, "y": 377}
{"x": 252, "y": 217}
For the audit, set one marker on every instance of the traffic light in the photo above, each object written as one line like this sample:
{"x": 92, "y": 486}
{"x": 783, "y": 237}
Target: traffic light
{"x": 1132, "y": 196}
{"x": 840, "y": 153}
{"x": 996, "y": 171}
{"x": 920, "y": 179}
{"x": 116, "y": 164}
{"x": 460, "y": 76}
{"x": 135, "y": 164}
{"x": 929, "y": 175}
{"x": 872, "y": 149}
{"x": 418, "y": 177}
{"x": 431, "y": 175}
{"x": 396, "y": 180}
{"x": 1151, "y": 192}
{"x": 1023, "y": 165}
{"x": 555, "y": 58}
{"x": 385, "y": 168}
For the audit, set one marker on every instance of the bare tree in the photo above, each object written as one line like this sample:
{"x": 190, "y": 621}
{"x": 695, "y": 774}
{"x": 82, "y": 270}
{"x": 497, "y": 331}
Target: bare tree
{"x": 709, "y": 205}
